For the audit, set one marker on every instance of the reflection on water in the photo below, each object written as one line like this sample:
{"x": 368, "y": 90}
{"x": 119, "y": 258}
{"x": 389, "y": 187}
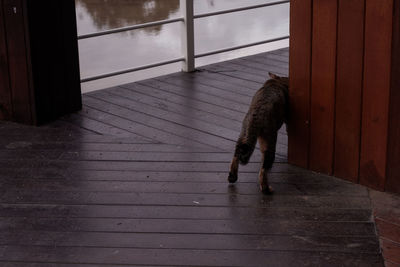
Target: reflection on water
{"x": 154, "y": 44}
{"x": 109, "y": 14}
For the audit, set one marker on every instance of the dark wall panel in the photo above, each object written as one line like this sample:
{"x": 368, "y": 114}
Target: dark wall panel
{"x": 17, "y": 59}
{"x": 300, "y": 75}
{"x": 376, "y": 88}
{"x": 349, "y": 76}
{"x": 323, "y": 85}
{"x": 39, "y": 60}
{"x": 393, "y": 166}
{"x": 5, "y": 92}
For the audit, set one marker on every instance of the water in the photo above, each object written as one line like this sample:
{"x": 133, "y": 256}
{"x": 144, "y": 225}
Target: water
{"x": 150, "y": 45}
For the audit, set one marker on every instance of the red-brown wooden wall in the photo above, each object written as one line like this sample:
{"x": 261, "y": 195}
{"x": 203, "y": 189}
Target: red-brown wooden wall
{"x": 345, "y": 91}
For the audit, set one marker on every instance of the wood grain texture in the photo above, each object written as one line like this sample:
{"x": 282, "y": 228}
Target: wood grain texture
{"x": 349, "y": 76}
{"x": 393, "y": 166}
{"x": 323, "y": 85}
{"x": 5, "y": 92}
{"x": 114, "y": 185}
{"x": 300, "y": 75}
{"x": 17, "y": 57}
{"x": 376, "y": 91}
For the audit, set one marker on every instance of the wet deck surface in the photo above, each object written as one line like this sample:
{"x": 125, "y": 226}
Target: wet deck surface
{"x": 139, "y": 178}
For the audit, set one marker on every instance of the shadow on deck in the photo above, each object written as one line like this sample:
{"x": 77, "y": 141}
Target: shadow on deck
{"x": 139, "y": 178}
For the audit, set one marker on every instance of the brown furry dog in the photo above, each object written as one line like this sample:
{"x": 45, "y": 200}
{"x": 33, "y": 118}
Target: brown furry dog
{"x": 269, "y": 109}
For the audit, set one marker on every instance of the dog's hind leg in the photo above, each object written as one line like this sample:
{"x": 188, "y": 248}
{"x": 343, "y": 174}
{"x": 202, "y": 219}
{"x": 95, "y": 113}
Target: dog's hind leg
{"x": 268, "y": 147}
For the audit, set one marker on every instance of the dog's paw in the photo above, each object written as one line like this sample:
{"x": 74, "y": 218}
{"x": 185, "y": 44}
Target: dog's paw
{"x": 232, "y": 177}
{"x": 266, "y": 190}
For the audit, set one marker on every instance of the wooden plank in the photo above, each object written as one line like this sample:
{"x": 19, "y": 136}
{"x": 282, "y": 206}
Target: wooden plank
{"x": 154, "y": 176}
{"x": 117, "y": 147}
{"x": 273, "y": 57}
{"x": 181, "y": 212}
{"x": 245, "y": 72}
{"x": 376, "y": 90}
{"x": 209, "y": 90}
{"x": 282, "y": 51}
{"x": 266, "y": 63}
{"x": 98, "y": 127}
{"x": 207, "y": 74}
{"x": 264, "y": 68}
{"x": 167, "y": 116}
{"x": 142, "y": 166}
{"x": 168, "y": 156}
{"x": 170, "y": 132}
{"x": 21, "y": 176}
{"x": 300, "y": 82}
{"x": 349, "y": 76}
{"x": 187, "y": 226}
{"x": 185, "y": 200}
{"x": 393, "y": 168}
{"x": 322, "y": 111}
{"x": 155, "y": 89}
{"x": 20, "y": 141}
{"x": 5, "y": 93}
{"x": 203, "y": 241}
{"x": 45, "y": 186}
{"x": 46, "y": 264}
{"x": 135, "y": 128}
{"x": 17, "y": 57}
{"x": 176, "y": 257}
{"x": 211, "y": 99}
{"x": 231, "y": 70}
{"x": 184, "y": 110}
{"x": 220, "y": 84}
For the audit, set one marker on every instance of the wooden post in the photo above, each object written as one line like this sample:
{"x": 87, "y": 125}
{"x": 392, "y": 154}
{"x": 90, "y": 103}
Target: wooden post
{"x": 5, "y": 90}
{"x": 39, "y": 66}
{"x": 187, "y": 35}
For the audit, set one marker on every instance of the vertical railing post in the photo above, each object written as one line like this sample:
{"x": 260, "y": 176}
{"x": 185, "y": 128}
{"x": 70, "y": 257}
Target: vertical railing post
{"x": 187, "y": 35}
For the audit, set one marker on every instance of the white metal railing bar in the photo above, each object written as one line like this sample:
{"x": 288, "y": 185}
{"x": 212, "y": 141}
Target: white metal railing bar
{"x": 187, "y": 35}
{"x": 240, "y": 46}
{"x": 187, "y": 38}
{"x": 97, "y": 77}
{"x": 240, "y": 9}
{"x": 129, "y": 28}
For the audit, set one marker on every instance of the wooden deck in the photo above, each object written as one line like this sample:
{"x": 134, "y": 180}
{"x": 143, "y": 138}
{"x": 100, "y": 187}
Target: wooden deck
{"x": 139, "y": 178}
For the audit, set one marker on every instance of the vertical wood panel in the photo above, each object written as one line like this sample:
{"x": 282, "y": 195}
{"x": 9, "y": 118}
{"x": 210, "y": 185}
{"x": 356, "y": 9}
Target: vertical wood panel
{"x": 376, "y": 87}
{"x": 15, "y": 34}
{"x": 393, "y": 166}
{"x": 71, "y": 58}
{"x": 299, "y": 73}
{"x": 350, "y": 49}
{"x": 323, "y": 85}
{"x": 5, "y": 93}
{"x": 55, "y": 62}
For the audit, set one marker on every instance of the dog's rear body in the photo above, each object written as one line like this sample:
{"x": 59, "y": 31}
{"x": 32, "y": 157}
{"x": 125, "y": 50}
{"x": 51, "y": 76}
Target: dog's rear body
{"x": 269, "y": 109}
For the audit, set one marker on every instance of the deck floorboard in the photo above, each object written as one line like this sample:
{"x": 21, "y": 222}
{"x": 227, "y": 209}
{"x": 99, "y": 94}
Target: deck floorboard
{"x": 139, "y": 178}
